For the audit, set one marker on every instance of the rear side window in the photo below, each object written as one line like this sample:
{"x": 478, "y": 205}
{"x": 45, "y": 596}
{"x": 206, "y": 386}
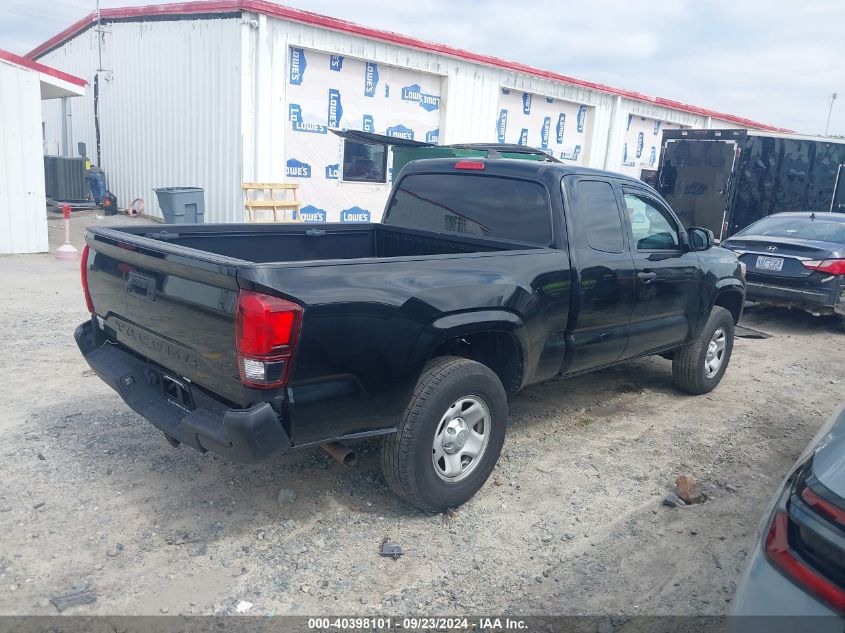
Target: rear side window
{"x": 487, "y": 206}
{"x": 595, "y": 205}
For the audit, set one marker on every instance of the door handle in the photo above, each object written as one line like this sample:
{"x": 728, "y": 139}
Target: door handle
{"x": 141, "y": 286}
{"x": 646, "y": 277}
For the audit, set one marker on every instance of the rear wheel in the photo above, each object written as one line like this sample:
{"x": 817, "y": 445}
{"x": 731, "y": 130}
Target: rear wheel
{"x": 450, "y": 437}
{"x": 698, "y": 367}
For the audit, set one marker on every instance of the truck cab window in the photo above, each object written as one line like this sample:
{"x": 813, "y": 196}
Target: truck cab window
{"x": 595, "y": 203}
{"x": 364, "y": 163}
{"x": 488, "y": 206}
{"x": 651, "y": 225}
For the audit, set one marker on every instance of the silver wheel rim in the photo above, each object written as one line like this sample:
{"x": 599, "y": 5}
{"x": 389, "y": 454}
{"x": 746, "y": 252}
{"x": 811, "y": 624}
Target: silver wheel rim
{"x": 461, "y": 438}
{"x": 715, "y": 352}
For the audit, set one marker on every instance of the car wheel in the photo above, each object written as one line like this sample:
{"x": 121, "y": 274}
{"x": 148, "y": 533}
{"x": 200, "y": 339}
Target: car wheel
{"x": 450, "y": 437}
{"x": 697, "y": 368}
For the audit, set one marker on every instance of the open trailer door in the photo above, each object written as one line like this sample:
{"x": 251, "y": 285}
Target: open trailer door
{"x": 837, "y": 202}
{"x": 695, "y": 178}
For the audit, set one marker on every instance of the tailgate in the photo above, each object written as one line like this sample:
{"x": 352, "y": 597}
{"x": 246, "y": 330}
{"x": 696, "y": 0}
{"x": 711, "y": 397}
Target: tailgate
{"x": 171, "y": 304}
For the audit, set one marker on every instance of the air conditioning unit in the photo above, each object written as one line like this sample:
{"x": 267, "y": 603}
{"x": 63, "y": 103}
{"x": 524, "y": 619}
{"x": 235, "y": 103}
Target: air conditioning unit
{"x": 66, "y": 179}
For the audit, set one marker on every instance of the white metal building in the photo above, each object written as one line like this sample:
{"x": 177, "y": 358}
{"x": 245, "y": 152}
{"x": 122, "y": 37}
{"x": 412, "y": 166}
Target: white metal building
{"x": 23, "y": 212}
{"x": 213, "y": 94}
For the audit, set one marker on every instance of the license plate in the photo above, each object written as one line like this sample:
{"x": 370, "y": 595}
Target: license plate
{"x": 769, "y": 263}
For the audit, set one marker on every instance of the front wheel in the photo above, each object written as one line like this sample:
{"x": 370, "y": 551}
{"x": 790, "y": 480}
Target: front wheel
{"x": 450, "y": 437}
{"x": 698, "y": 367}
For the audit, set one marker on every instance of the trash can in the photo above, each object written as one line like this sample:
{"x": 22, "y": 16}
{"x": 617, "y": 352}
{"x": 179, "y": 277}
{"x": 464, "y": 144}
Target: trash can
{"x": 182, "y": 205}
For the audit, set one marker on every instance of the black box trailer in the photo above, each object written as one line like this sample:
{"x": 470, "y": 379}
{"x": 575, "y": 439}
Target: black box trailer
{"x": 724, "y": 180}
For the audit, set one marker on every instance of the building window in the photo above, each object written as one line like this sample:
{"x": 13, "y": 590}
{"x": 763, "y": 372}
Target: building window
{"x": 364, "y": 163}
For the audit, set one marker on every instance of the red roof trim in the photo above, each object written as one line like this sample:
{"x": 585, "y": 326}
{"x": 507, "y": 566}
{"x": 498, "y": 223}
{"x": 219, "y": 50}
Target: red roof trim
{"x": 28, "y": 63}
{"x": 335, "y": 24}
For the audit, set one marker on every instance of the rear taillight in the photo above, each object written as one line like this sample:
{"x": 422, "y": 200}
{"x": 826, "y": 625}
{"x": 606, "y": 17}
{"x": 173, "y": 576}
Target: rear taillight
{"x": 823, "y": 507}
{"x": 777, "y": 549}
{"x": 83, "y": 270}
{"x": 267, "y": 330}
{"x": 786, "y": 555}
{"x": 829, "y": 266}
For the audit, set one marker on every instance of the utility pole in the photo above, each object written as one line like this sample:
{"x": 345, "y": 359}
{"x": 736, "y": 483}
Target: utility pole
{"x": 99, "y": 40}
{"x": 829, "y": 112}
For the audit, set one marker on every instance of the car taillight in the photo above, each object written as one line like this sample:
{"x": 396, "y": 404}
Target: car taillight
{"x": 475, "y": 165}
{"x": 787, "y": 547}
{"x": 823, "y": 506}
{"x": 777, "y": 549}
{"x": 830, "y": 266}
{"x": 267, "y": 331}
{"x": 83, "y": 270}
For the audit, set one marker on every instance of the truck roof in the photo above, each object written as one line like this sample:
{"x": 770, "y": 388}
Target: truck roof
{"x": 511, "y": 167}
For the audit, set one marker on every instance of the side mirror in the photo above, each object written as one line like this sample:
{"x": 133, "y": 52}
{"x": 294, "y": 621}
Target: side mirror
{"x": 700, "y": 239}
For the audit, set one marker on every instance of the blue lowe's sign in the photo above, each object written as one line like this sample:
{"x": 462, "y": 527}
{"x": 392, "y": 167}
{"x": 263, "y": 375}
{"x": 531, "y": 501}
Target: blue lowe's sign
{"x": 640, "y": 143}
{"x": 297, "y": 65}
{"x": 652, "y": 156}
{"x": 573, "y": 155}
{"x": 561, "y": 125}
{"x": 526, "y": 103}
{"x": 332, "y": 171}
{"x": 336, "y": 63}
{"x": 370, "y": 79}
{"x": 657, "y": 127}
{"x": 310, "y": 213}
{"x": 355, "y": 214}
{"x": 298, "y": 125}
{"x": 369, "y": 124}
{"x": 298, "y": 169}
{"x": 502, "y": 125}
{"x": 400, "y": 131}
{"x": 335, "y": 108}
{"x": 582, "y": 117}
{"x": 523, "y": 136}
{"x": 433, "y": 136}
{"x": 544, "y": 132}
{"x": 427, "y": 101}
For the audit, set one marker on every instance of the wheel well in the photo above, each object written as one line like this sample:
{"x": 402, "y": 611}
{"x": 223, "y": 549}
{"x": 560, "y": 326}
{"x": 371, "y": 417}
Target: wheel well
{"x": 732, "y": 302}
{"x": 497, "y": 350}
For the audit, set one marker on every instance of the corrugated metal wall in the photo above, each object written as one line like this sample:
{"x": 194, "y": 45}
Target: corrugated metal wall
{"x": 170, "y": 115}
{"x": 203, "y": 102}
{"x": 23, "y": 215}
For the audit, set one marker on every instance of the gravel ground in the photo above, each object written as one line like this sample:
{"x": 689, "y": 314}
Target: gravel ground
{"x": 571, "y": 521}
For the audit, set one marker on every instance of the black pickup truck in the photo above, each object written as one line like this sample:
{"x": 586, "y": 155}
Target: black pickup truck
{"x": 484, "y": 277}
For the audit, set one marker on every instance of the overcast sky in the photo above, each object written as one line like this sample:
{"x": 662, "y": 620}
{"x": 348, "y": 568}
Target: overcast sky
{"x": 774, "y": 61}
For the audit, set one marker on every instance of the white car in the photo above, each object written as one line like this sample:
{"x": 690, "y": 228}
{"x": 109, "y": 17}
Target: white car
{"x": 797, "y": 567}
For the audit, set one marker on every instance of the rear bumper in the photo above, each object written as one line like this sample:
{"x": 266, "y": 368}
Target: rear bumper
{"x": 243, "y": 435}
{"x": 828, "y": 299}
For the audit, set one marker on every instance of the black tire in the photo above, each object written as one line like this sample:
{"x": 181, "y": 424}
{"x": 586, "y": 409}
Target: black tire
{"x": 688, "y": 370}
{"x": 406, "y": 457}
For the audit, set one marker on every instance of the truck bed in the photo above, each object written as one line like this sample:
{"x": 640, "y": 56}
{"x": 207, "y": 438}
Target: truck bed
{"x": 169, "y": 293}
{"x": 275, "y": 243}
